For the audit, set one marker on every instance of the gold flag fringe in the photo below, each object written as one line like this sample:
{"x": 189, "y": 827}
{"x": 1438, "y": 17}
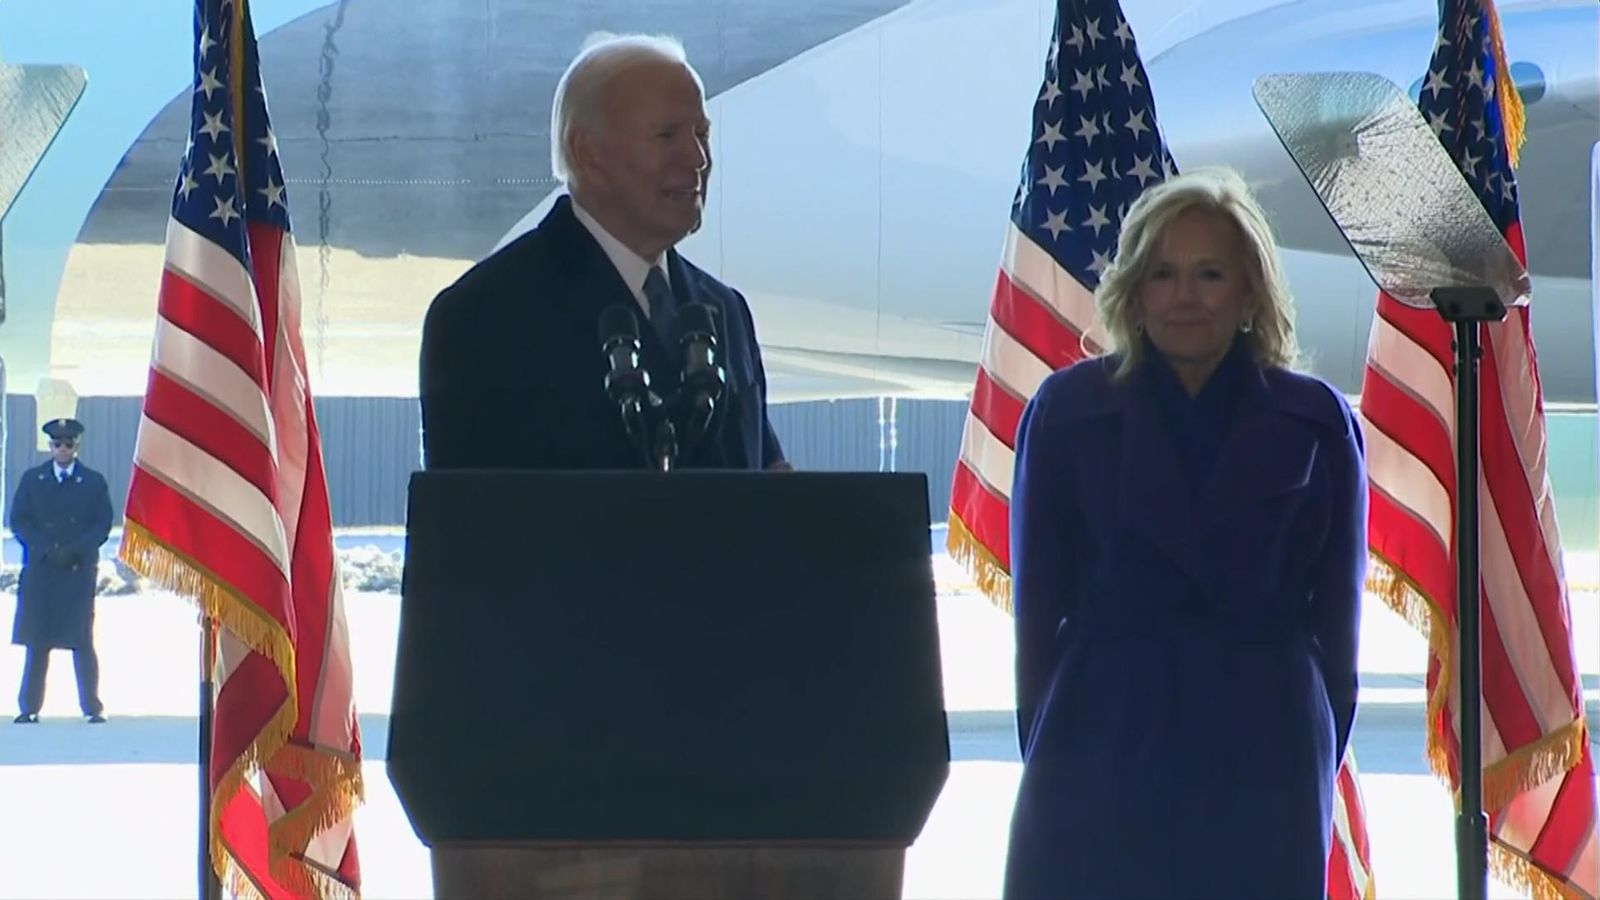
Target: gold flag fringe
{"x": 1516, "y": 870}
{"x": 1530, "y": 766}
{"x": 172, "y": 569}
{"x": 1513, "y": 118}
{"x": 299, "y": 876}
{"x": 327, "y": 884}
{"x": 176, "y": 571}
{"x": 333, "y": 799}
{"x": 336, "y": 789}
{"x": 1522, "y": 770}
{"x": 1405, "y": 597}
{"x": 236, "y": 880}
{"x": 992, "y": 578}
{"x": 305, "y": 879}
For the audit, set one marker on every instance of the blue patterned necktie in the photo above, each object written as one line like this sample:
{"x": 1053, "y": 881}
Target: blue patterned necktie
{"x": 663, "y": 306}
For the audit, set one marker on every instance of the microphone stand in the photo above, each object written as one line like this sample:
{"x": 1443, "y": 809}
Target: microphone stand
{"x": 650, "y": 421}
{"x": 637, "y": 424}
{"x": 666, "y": 458}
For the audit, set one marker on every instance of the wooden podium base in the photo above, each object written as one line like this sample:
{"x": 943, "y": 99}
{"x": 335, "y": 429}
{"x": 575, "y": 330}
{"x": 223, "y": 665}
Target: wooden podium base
{"x": 692, "y": 871}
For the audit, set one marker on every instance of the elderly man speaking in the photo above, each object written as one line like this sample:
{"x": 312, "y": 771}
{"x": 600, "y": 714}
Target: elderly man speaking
{"x": 512, "y": 348}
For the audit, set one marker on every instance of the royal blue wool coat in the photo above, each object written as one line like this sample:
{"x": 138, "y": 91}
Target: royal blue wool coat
{"x": 1187, "y": 578}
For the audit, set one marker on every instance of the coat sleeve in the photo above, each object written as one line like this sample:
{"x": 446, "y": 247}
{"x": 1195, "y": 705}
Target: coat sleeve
{"x": 23, "y": 522}
{"x": 1042, "y": 537}
{"x": 445, "y": 389}
{"x": 1340, "y": 576}
{"x": 771, "y": 448}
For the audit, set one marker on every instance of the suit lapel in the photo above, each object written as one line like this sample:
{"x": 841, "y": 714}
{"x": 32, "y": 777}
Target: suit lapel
{"x": 683, "y": 287}
{"x": 738, "y": 420}
{"x": 595, "y": 284}
{"x": 1265, "y": 454}
{"x": 593, "y": 281}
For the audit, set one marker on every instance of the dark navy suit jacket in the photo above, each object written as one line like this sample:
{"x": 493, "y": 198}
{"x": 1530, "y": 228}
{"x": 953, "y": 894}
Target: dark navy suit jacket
{"x": 512, "y": 375}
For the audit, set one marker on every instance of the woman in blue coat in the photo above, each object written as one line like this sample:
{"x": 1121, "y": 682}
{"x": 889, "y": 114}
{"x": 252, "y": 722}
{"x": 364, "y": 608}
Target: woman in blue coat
{"x": 1188, "y": 526}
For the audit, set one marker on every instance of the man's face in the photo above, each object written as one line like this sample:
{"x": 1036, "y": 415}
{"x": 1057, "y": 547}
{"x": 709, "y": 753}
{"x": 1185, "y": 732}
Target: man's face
{"x": 644, "y": 168}
{"x": 63, "y": 450}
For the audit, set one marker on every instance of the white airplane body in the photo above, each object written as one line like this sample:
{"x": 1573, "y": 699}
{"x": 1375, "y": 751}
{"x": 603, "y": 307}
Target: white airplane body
{"x": 866, "y": 154}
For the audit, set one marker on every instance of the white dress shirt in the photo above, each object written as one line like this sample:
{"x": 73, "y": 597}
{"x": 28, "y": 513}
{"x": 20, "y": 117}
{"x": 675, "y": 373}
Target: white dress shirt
{"x": 63, "y": 473}
{"x": 631, "y": 266}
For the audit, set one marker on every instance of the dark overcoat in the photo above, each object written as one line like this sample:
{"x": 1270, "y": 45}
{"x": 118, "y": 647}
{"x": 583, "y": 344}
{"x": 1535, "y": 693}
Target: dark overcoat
{"x": 61, "y": 526}
{"x": 1186, "y": 648}
{"x": 512, "y": 375}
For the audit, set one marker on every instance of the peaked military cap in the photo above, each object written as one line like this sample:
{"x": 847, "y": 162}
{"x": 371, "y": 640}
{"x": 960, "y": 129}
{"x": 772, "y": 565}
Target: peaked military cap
{"x": 63, "y": 429}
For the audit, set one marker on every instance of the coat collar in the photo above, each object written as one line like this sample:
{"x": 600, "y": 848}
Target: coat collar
{"x": 1265, "y": 453}
{"x": 633, "y": 268}
{"x": 46, "y": 471}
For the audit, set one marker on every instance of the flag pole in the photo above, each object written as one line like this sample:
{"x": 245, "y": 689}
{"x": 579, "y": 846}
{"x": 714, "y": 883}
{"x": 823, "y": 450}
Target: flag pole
{"x": 1472, "y": 826}
{"x": 1468, "y": 309}
{"x": 210, "y": 886}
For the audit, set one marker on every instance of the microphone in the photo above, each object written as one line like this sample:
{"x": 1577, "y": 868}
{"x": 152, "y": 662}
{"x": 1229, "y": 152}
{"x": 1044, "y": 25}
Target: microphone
{"x": 703, "y": 376}
{"x": 627, "y": 382}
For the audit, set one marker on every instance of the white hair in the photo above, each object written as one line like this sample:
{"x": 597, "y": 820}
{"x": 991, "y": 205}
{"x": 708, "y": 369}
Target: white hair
{"x": 582, "y": 87}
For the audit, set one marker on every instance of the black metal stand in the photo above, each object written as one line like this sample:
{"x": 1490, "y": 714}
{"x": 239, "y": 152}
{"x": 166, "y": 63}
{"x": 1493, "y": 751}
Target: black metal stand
{"x": 1468, "y": 309}
{"x": 210, "y": 886}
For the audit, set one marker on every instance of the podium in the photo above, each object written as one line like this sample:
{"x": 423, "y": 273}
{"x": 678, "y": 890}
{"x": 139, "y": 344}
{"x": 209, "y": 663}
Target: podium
{"x": 690, "y": 684}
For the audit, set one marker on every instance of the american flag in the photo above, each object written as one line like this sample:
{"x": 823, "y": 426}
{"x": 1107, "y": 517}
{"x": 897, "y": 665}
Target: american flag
{"x": 228, "y": 502}
{"x": 1538, "y": 774}
{"x": 1095, "y": 145}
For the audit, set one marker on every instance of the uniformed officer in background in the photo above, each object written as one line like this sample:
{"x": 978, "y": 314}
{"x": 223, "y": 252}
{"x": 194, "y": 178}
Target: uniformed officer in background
{"x": 61, "y": 515}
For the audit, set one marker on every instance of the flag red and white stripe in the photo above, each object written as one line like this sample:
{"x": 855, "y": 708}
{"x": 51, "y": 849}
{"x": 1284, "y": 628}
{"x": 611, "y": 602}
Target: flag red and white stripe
{"x": 1538, "y": 776}
{"x": 228, "y": 503}
{"x": 1037, "y": 318}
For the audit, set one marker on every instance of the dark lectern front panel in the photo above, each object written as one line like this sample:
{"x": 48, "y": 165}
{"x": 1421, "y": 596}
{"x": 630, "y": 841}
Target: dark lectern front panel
{"x": 688, "y": 656}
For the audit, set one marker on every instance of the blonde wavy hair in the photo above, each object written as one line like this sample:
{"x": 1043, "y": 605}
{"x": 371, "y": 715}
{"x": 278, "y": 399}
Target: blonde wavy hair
{"x": 1220, "y": 191}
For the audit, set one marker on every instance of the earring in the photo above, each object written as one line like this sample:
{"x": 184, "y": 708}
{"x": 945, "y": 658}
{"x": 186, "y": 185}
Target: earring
{"x": 1246, "y": 325}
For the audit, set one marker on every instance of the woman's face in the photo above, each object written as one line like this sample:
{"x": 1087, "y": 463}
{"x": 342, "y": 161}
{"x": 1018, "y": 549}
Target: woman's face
{"x": 1195, "y": 291}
